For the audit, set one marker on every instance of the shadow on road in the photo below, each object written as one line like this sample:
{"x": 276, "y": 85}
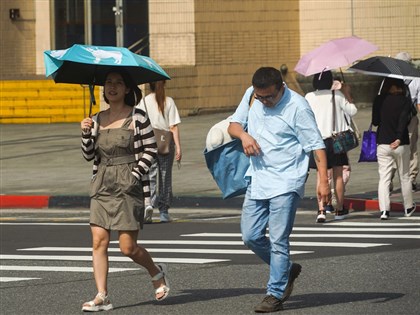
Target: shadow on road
{"x": 321, "y": 299}
{"x": 197, "y": 295}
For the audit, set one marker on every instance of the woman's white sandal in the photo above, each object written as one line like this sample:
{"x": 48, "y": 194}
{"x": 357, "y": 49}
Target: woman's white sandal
{"x": 165, "y": 288}
{"x": 91, "y": 306}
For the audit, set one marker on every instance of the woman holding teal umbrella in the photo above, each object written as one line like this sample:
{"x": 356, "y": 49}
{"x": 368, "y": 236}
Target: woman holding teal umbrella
{"x": 87, "y": 64}
{"x": 120, "y": 141}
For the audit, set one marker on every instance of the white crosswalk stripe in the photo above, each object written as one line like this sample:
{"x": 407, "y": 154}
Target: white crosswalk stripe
{"x": 111, "y": 259}
{"x": 159, "y": 250}
{"x": 382, "y": 236}
{"x": 59, "y": 268}
{"x": 15, "y": 279}
{"x": 207, "y": 248}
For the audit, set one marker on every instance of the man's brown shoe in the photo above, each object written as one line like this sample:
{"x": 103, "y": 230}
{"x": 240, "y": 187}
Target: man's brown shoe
{"x": 293, "y": 274}
{"x": 269, "y": 304}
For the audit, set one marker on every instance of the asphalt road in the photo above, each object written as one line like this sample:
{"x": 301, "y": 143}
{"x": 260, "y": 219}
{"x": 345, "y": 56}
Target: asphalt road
{"x": 357, "y": 266}
{"x": 45, "y": 159}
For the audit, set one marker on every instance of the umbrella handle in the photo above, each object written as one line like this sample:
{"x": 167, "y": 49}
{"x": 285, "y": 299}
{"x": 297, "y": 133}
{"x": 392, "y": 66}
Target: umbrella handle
{"x": 342, "y": 76}
{"x": 380, "y": 88}
{"x": 92, "y": 98}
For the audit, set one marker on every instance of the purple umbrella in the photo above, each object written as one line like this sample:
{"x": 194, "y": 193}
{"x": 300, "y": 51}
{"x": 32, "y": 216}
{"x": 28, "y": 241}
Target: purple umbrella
{"x": 334, "y": 54}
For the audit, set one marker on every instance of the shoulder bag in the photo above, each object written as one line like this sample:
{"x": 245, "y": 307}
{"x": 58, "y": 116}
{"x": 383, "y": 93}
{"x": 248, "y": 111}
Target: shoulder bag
{"x": 343, "y": 141}
{"x": 163, "y": 137}
{"x": 228, "y": 164}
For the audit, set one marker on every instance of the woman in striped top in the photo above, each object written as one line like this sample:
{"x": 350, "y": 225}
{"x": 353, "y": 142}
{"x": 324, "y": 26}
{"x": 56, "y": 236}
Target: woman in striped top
{"x": 121, "y": 143}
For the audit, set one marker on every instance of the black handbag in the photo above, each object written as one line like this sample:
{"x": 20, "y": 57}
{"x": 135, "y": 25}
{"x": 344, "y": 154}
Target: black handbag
{"x": 343, "y": 141}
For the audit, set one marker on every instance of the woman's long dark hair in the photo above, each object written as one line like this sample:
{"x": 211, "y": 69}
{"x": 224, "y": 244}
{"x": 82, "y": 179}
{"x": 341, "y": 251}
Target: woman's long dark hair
{"x": 388, "y": 82}
{"x": 133, "y": 97}
{"x": 322, "y": 81}
{"x": 158, "y": 88}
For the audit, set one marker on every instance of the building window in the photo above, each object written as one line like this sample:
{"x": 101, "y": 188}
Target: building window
{"x": 70, "y": 28}
{"x": 69, "y": 23}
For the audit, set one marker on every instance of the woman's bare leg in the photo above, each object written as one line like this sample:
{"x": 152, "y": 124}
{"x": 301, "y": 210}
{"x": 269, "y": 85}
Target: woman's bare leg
{"x": 100, "y": 243}
{"x": 339, "y": 186}
{"x": 130, "y": 248}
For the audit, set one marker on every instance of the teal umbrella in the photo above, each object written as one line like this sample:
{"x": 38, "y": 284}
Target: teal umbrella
{"x": 86, "y": 64}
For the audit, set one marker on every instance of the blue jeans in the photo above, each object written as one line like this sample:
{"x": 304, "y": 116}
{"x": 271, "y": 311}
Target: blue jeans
{"x": 279, "y": 213}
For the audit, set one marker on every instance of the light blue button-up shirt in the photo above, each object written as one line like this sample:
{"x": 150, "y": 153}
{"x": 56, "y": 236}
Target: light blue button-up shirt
{"x": 286, "y": 133}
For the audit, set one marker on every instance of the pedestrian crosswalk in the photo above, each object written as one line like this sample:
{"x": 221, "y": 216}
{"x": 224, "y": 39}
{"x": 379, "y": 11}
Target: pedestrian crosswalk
{"x": 208, "y": 248}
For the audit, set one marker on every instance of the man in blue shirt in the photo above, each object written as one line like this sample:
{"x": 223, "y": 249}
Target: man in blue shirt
{"x": 281, "y": 133}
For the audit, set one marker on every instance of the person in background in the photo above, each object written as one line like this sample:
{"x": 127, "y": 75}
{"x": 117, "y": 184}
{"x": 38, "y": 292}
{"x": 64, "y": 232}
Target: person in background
{"x": 321, "y": 103}
{"x": 163, "y": 114}
{"x": 120, "y": 142}
{"x": 337, "y": 85}
{"x": 413, "y": 126}
{"x": 390, "y": 112}
{"x": 281, "y": 133}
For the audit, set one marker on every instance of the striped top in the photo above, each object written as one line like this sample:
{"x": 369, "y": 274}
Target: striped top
{"x": 145, "y": 148}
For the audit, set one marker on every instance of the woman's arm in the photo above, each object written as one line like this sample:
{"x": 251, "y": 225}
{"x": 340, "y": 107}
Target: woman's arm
{"x": 145, "y": 148}
{"x": 404, "y": 118}
{"x": 177, "y": 139}
{"x": 89, "y": 128}
{"x": 376, "y": 110}
{"x": 347, "y": 105}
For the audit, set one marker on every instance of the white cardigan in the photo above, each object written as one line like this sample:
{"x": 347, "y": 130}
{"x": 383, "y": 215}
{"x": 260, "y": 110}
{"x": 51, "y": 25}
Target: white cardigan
{"x": 321, "y": 104}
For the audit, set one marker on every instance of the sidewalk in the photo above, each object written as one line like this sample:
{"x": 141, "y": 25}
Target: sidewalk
{"x": 42, "y": 167}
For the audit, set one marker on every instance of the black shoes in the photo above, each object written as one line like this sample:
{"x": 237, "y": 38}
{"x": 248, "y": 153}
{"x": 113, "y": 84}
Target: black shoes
{"x": 341, "y": 214}
{"x": 384, "y": 215}
{"x": 269, "y": 304}
{"x": 407, "y": 212}
{"x": 329, "y": 209}
{"x": 293, "y": 274}
{"x": 410, "y": 211}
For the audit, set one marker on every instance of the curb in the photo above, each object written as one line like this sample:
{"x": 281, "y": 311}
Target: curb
{"x": 40, "y": 202}
{"x": 34, "y": 202}
{"x": 371, "y": 205}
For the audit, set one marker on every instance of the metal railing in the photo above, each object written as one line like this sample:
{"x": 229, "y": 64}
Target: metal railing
{"x": 139, "y": 45}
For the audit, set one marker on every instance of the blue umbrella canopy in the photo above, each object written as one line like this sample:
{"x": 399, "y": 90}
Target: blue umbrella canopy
{"x": 86, "y": 64}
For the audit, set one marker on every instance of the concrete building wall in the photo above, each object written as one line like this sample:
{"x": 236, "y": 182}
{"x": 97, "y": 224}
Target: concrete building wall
{"x": 17, "y": 48}
{"x": 231, "y": 39}
{"x": 236, "y": 37}
{"x": 173, "y": 46}
{"x": 42, "y": 38}
{"x": 171, "y": 30}
{"x": 392, "y": 25}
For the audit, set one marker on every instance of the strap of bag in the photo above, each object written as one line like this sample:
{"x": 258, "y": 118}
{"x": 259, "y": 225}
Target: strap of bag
{"x": 334, "y": 109}
{"x": 250, "y": 102}
{"x": 333, "y": 105}
{"x": 145, "y": 105}
{"x": 251, "y": 99}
